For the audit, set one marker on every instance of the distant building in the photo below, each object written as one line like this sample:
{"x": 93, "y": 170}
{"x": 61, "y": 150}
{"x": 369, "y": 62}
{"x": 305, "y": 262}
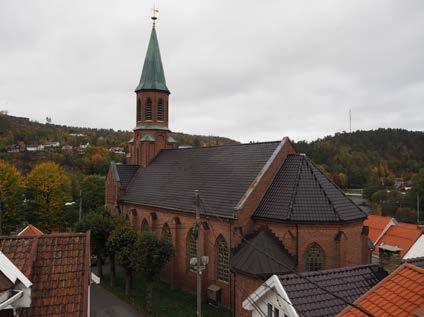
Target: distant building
{"x": 117, "y": 150}
{"x": 16, "y": 148}
{"x": 31, "y": 231}
{"x": 35, "y": 147}
{"x": 67, "y": 148}
{"x": 77, "y": 134}
{"x": 55, "y": 144}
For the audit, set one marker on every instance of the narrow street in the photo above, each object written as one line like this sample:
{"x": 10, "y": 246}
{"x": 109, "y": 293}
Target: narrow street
{"x": 106, "y": 304}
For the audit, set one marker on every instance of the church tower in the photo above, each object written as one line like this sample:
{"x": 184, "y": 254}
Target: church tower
{"x": 151, "y": 133}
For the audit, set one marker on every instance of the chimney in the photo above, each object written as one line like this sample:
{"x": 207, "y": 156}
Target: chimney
{"x": 389, "y": 257}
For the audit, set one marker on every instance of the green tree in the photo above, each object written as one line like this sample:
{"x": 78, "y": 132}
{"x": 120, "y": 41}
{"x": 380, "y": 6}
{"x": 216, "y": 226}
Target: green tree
{"x": 11, "y": 197}
{"x": 47, "y": 190}
{"x": 93, "y": 193}
{"x": 100, "y": 225}
{"x": 122, "y": 243}
{"x": 152, "y": 254}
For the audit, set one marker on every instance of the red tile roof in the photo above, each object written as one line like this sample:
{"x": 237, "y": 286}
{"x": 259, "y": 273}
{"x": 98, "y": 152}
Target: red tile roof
{"x": 376, "y": 225}
{"x": 399, "y": 294}
{"x": 402, "y": 235}
{"x": 58, "y": 266}
{"x": 30, "y": 230}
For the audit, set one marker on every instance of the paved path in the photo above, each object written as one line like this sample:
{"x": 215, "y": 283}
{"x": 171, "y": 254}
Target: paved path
{"x": 105, "y": 304}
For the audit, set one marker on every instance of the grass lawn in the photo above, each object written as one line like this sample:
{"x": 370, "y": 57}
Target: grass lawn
{"x": 166, "y": 302}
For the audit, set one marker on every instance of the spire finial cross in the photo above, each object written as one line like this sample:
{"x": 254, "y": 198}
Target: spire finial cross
{"x": 154, "y": 17}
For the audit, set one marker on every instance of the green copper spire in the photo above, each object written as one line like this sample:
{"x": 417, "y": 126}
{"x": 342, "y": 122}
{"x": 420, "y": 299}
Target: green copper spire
{"x": 152, "y": 76}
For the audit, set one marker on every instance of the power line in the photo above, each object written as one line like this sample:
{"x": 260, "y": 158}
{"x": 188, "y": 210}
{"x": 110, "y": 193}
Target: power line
{"x": 361, "y": 309}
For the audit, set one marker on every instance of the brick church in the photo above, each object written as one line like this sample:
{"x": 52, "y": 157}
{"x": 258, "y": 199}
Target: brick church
{"x": 265, "y": 208}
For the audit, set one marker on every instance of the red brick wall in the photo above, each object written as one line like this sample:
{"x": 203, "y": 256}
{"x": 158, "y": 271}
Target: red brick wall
{"x": 243, "y": 287}
{"x": 345, "y": 252}
{"x": 112, "y": 191}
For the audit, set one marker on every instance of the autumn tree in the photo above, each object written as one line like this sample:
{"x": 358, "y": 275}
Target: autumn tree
{"x": 11, "y": 198}
{"x": 122, "y": 243}
{"x": 47, "y": 190}
{"x": 152, "y": 254}
{"x": 93, "y": 193}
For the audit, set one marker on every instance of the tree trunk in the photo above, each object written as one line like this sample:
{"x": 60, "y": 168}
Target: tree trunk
{"x": 149, "y": 297}
{"x": 128, "y": 280}
{"x": 99, "y": 266}
{"x": 112, "y": 270}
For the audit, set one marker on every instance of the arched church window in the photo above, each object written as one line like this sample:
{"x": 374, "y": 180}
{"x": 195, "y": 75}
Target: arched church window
{"x": 149, "y": 109}
{"x": 191, "y": 246}
{"x": 160, "y": 114}
{"x": 144, "y": 225}
{"x": 314, "y": 258}
{"x": 138, "y": 110}
{"x": 222, "y": 259}
{"x": 166, "y": 232}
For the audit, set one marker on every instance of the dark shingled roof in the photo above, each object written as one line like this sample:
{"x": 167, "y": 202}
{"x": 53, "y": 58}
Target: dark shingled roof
{"x": 416, "y": 261}
{"x": 248, "y": 260}
{"x": 300, "y": 192}
{"x": 123, "y": 173}
{"x": 349, "y": 283}
{"x": 222, "y": 175}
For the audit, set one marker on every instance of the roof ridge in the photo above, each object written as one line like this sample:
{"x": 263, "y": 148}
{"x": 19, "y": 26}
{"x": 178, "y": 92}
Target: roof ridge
{"x": 337, "y": 187}
{"x": 323, "y": 191}
{"x": 331, "y": 271}
{"x": 296, "y": 187}
{"x": 218, "y": 146}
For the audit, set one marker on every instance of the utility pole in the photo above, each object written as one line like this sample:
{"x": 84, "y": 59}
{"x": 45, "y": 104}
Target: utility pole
{"x": 350, "y": 120}
{"x": 80, "y": 206}
{"x": 418, "y": 208}
{"x": 198, "y": 264}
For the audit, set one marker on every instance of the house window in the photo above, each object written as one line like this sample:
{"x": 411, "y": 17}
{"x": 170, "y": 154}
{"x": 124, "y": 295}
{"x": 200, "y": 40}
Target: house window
{"x": 269, "y": 313}
{"x": 160, "y": 110}
{"x": 144, "y": 225}
{"x": 222, "y": 259}
{"x": 149, "y": 109}
{"x": 314, "y": 258}
{"x": 138, "y": 110}
{"x": 276, "y": 312}
{"x": 166, "y": 232}
{"x": 191, "y": 246}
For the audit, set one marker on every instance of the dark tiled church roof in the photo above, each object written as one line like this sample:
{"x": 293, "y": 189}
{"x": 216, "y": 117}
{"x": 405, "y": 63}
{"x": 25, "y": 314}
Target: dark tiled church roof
{"x": 123, "y": 173}
{"x": 300, "y": 192}
{"x": 222, "y": 175}
{"x": 248, "y": 260}
{"x": 416, "y": 261}
{"x": 348, "y": 283}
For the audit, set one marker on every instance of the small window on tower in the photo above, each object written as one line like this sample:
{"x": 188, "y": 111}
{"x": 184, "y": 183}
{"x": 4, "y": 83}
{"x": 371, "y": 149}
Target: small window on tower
{"x": 149, "y": 109}
{"x": 138, "y": 110}
{"x": 160, "y": 109}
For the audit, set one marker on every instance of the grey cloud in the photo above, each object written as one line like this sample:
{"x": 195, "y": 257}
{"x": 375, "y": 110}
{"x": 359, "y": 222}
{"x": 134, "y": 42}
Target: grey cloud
{"x": 242, "y": 69}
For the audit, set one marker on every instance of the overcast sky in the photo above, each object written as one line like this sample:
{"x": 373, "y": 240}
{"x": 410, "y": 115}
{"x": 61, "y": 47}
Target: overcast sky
{"x": 249, "y": 70}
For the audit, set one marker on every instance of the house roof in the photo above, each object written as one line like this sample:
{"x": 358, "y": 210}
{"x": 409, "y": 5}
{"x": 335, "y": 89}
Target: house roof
{"x": 399, "y": 294}
{"x": 300, "y": 192}
{"x": 58, "y": 267}
{"x": 123, "y": 173}
{"x": 349, "y": 283}
{"x": 377, "y": 226}
{"x": 417, "y": 249}
{"x": 403, "y": 235}
{"x": 30, "y": 230}
{"x": 153, "y": 75}
{"x": 222, "y": 174}
{"x": 248, "y": 260}
{"x": 416, "y": 261}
